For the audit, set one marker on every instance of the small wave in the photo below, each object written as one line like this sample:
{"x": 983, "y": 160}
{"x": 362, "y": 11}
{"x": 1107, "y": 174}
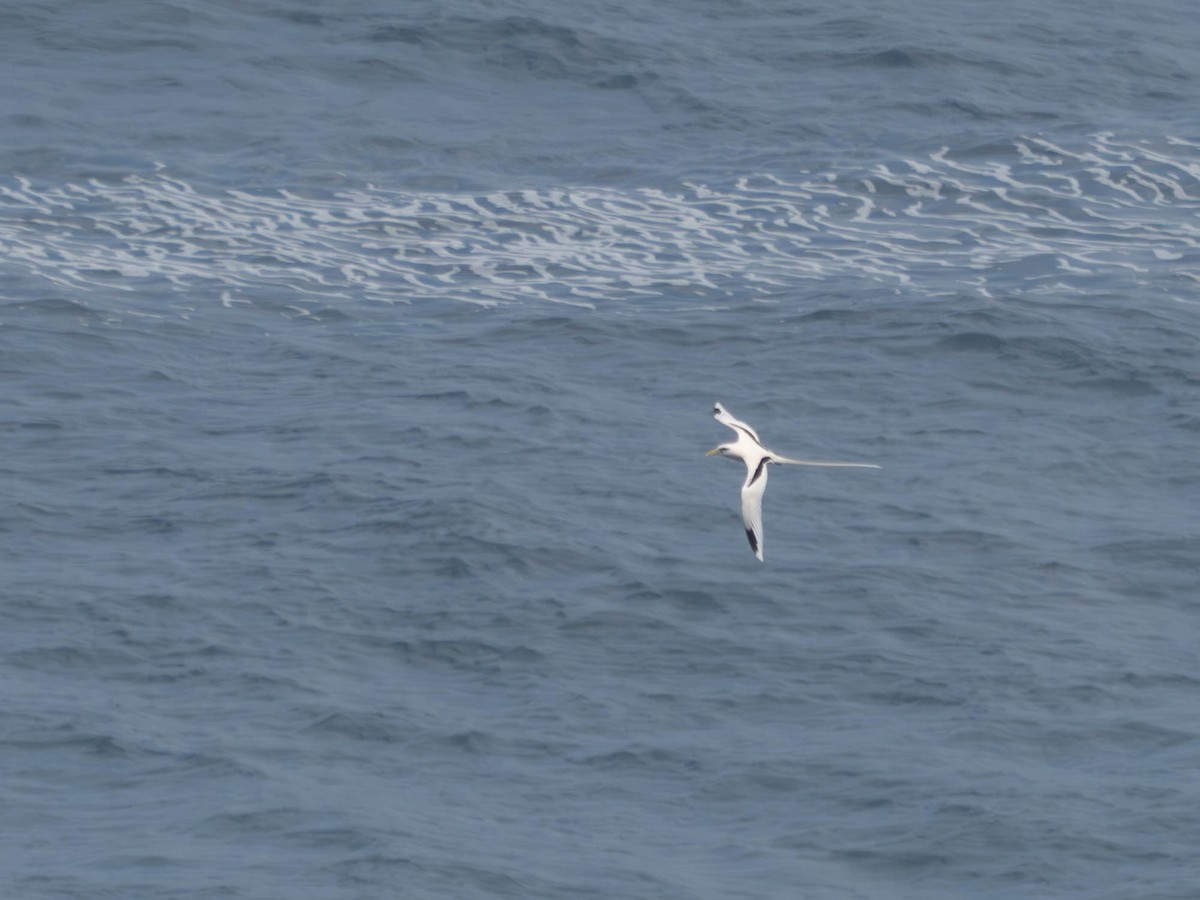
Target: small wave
{"x": 467, "y": 654}
{"x": 1029, "y": 218}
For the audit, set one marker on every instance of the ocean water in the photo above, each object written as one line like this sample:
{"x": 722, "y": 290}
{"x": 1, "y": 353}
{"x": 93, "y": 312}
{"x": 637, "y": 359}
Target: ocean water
{"x": 357, "y": 364}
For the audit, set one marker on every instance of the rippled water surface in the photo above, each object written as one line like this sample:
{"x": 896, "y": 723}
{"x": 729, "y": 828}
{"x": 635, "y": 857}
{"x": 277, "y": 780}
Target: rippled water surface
{"x": 358, "y": 364}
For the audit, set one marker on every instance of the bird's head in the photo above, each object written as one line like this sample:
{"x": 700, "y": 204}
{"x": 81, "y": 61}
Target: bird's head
{"x": 722, "y": 450}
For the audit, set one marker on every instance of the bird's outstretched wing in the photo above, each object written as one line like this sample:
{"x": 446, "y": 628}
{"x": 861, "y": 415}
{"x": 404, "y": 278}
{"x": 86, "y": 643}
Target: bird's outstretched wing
{"x": 725, "y": 418}
{"x": 752, "y": 494}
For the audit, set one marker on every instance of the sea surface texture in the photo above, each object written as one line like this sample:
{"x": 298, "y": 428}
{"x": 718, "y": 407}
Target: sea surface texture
{"x": 357, "y": 362}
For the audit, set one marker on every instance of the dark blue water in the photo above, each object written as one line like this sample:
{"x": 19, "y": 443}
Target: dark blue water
{"x": 357, "y": 363}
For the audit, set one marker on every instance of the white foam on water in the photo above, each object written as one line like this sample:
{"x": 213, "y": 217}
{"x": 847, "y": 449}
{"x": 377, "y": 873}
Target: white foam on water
{"x": 1108, "y": 209}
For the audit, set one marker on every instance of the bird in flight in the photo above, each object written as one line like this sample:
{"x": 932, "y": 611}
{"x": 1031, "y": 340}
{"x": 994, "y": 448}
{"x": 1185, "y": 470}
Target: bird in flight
{"x": 750, "y": 450}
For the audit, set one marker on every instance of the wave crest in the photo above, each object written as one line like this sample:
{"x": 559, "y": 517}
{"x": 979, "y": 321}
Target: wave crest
{"x": 1033, "y": 216}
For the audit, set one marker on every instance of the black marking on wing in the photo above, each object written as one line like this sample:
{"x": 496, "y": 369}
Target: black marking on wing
{"x": 762, "y": 464}
{"x": 753, "y": 541}
{"x": 747, "y": 432}
{"x": 742, "y": 428}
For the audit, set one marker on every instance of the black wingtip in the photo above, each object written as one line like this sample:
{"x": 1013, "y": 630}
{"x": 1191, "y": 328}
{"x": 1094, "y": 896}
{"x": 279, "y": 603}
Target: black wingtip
{"x": 753, "y": 541}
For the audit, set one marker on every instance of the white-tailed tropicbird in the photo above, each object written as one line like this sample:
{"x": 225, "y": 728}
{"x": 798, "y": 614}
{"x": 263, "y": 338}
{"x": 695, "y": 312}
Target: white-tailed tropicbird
{"x": 750, "y": 450}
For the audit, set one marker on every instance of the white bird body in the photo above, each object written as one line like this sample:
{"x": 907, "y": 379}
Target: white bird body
{"x": 749, "y": 449}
